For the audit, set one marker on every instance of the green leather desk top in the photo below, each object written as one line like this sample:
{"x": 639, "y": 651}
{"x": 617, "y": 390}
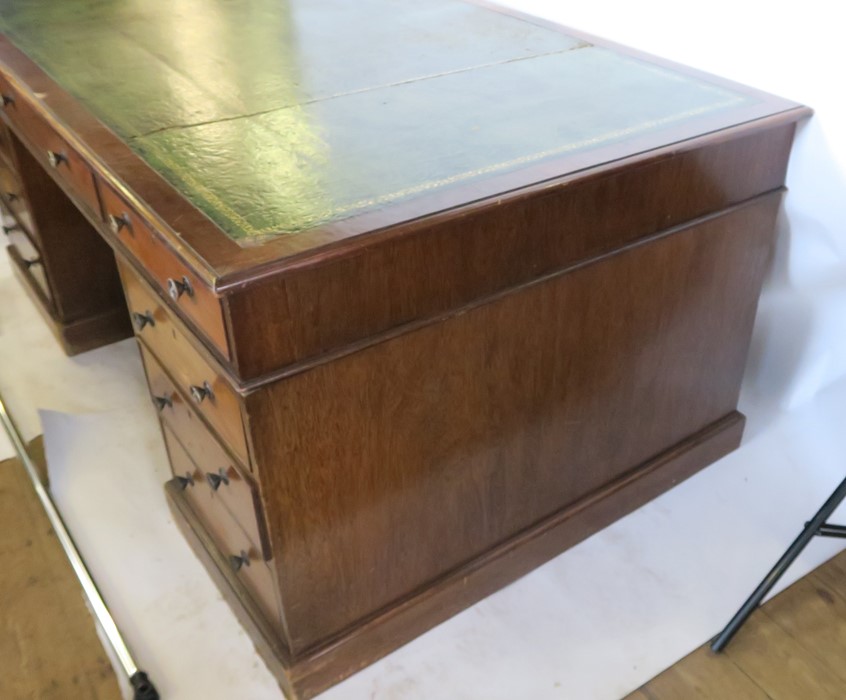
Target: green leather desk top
{"x": 276, "y": 116}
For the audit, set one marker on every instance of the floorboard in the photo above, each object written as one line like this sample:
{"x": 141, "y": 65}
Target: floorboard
{"x": 48, "y": 644}
{"x": 790, "y": 649}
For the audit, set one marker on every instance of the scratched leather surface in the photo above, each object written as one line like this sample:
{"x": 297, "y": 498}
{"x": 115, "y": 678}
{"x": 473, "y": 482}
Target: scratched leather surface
{"x": 274, "y": 117}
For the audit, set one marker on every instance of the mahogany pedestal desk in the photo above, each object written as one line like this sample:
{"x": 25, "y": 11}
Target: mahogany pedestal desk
{"x": 425, "y": 293}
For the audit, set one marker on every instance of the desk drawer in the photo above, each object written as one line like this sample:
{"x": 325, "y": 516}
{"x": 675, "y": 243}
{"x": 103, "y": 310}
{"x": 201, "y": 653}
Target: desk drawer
{"x": 236, "y": 492}
{"x": 13, "y": 198}
{"x": 52, "y": 151}
{"x": 212, "y": 394}
{"x": 191, "y": 296}
{"x": 29, "y": 263}
{"x": 221, "y": 477}
{"x": 242, "y": 554}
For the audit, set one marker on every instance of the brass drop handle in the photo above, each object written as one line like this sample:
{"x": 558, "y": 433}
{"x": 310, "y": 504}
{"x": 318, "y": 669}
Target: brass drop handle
{"x": 215, "y": 480}
{"x": 12, "y": 196}
{"x": 184, "y": 481}
{"x": 8, "y": 229}
{"x": 162, "y": 402}
{"x": 236, "y": 561}
{"x": 201, "y": 393}
{"x": 141, "y": 321}
{"x": 118, "y": 223}
{"x": 30, "y": 263}
{"x": 177, "y": 288}
{"x": 55, "y": 159}
{"x": 8, "y": 100}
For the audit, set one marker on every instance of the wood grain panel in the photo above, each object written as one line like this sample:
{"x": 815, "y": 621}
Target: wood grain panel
{"x": 780, "y": 665}
{"x": 815, "y": 613}
{"x": 442, "y": 264}
{"x": 790, "y": 648}
{"x": 388, "y": 467}
{"x": 702, "y": 677}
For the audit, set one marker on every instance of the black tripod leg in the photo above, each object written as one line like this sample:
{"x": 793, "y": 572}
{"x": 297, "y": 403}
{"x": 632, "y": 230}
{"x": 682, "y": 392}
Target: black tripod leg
{"x": 793, "y": 551}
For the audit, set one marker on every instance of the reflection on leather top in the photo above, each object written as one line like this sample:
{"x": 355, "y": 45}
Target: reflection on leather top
{"x": 276, "y": 116}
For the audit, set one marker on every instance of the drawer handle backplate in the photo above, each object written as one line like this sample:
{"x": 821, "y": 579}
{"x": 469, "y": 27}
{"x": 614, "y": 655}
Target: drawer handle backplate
{"x": 163, "y": 402}
{"x": 236, "y": 561}
{"x": 184, "y": 481}
{"x": 215, "y": 480}
{"x": 201, "y": 393}
{"x": 118, "y": 223}
{"x": 55, "y": 159}
{"x": 141, "y": 321}
{"x": 8, "y": 100}
{"x": 177, "y": 288}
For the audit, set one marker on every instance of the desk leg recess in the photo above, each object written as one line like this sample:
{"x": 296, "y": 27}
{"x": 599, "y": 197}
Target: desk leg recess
{"x": 68, "y": 270}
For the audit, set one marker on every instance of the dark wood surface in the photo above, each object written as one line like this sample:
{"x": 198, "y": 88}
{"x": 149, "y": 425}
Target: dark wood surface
{"x": 427, "y": 399}
{"x": 568, "y": 383}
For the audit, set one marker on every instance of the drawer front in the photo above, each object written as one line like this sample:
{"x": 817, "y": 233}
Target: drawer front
{"x": 5, "y": 145}
{"x": 225, "y": 481}
{"x": 211, "y": 393}
{"x": 28, "y": 259}
{"x": 191, "y": 296}
{"x": 51, "y": 149}
{"x": 13, "y": 198}
{"x": 219, "y": 472}
{"x": 236, "y": 547}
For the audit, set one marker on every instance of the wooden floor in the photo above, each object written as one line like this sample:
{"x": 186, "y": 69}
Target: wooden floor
{"x": 794, "y": 648}
{"x": 49, "y": 649}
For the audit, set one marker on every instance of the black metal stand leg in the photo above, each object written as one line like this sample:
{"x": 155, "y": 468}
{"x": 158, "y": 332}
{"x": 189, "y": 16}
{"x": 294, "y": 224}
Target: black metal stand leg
{"x": 816, "y": 526}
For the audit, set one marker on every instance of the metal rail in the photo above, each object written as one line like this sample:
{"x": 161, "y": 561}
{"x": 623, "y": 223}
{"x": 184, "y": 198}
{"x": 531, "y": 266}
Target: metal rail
{"x": 138, "y": 680}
